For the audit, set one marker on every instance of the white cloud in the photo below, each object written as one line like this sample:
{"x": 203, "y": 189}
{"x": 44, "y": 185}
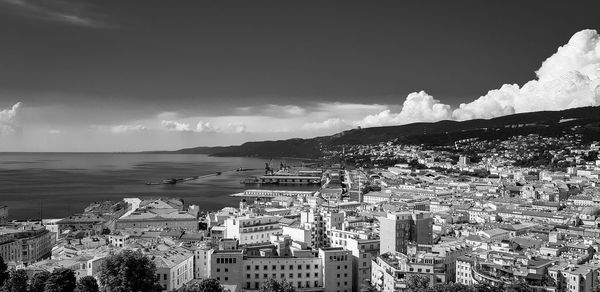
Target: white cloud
{"x": 206, "y": 127}
{"x": 286, "y": 110}
{"x": 54, "y": 132}
{"x": 237, "y": 127}
{"x": 176, "y": 126}
{"x": 120, "y": 129}
{"x": 9, "y": 119}
{"x": 333, "y": 123}
{"x": 569, "y": 78}
{"x": 60, "y": 11}
{"x": 418, "y": 107}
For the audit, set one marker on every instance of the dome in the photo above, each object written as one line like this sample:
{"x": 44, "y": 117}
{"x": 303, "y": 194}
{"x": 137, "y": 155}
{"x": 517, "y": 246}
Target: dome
{"x": 591, "y": 211}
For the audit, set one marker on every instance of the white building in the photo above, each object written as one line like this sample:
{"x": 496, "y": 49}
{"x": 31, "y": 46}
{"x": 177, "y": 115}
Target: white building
{"x": 252, "y": 229}
{"x": 174, "y": 267}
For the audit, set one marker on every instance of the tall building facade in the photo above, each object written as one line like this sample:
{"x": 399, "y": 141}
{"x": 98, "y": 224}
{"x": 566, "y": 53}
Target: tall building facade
{"x": 400, "y": 229}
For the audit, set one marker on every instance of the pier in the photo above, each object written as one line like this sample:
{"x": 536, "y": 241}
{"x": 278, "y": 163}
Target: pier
{"x": 273, "y": 194}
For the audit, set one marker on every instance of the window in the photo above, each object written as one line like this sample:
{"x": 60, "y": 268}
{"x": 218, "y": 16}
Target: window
{"x": 299, "y": 267}
{"x": 218, "y": 270}
{"x": 265, "y": 267}
{"x": 256, "y": 267}
{"x": 291, "y": 267}
{"x": 247, "y": 267}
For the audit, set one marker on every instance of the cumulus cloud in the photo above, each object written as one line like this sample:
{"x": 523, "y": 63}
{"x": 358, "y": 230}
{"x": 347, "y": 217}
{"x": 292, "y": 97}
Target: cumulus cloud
{"x": 567, "y": 79}
{"x": 418, "y": 107}
{"x": 333, "y": 123}
{"x": 176, "y": 126}
{"x": 237, "y": 127}
{"x": 9, "y": 119}
{"x": 120, "y": 129}
{"x": 206, "y": 127}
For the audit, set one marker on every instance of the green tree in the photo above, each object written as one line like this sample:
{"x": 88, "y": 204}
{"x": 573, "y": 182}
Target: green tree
{"x": 417, "y": 283}
{"x": 87, "y": 284}
{"x": 16, "y": 282}
{"x": 38, "y": 281}
{"x": 128, "y": 271}
{"x": 272, "y": 285}
{"x": 206, "y": 285}
{"x": 450, "y": 287}
{"x": 518, "y": 287}
{"x": 368, "y": 288}
{"x": 60, "y": 280}
{"x": 3, "y": 271}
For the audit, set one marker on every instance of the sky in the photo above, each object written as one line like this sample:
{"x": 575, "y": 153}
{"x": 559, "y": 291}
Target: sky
{"x": 113, "y": 75}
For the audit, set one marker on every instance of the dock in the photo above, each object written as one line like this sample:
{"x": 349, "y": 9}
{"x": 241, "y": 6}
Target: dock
{"x": 273, "y": 194}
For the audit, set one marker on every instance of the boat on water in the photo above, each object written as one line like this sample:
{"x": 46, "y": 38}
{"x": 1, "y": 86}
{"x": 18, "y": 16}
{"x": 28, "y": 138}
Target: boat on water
{"x": 169, "y": 181}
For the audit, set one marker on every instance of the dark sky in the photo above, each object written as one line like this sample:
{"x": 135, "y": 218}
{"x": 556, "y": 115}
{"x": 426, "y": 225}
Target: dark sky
{"x": 207, "y": 57}
{"x": 196, "y": 52}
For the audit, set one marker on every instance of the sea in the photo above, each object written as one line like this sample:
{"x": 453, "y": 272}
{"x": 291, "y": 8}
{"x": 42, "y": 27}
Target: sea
{"x": 56, "y": 185}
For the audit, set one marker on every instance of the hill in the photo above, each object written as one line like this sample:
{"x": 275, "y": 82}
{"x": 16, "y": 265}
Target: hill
{"x": 585, "y": 121}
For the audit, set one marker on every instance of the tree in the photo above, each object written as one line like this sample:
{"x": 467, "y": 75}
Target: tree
{"x": 38, "y": 281}
{"x": 60, "y": 280}
{"x": 87, "y": 284}
{"x": 272, "y": 285}
{"x": 16, "y": 282}
{"x": 207, "y": 285}
{"x": 3, "y": 271}
{"x": 449, "y": 287}
{"x": 417, "y": 283}
{"x": 368, "y": 288}
{"x": 128, "y": 271}
{"x": 591, "y": 156}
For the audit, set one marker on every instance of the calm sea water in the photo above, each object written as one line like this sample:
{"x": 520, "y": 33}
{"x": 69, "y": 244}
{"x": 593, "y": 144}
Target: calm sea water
{"x": 58, "y": 184}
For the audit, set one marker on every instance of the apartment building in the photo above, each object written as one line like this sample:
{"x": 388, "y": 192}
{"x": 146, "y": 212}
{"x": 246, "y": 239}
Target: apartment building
{"x": 174, "y": 267}
{"x": 252, "y": 229}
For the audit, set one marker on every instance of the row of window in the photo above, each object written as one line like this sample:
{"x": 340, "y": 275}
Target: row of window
{"x": 298, "y": 284}
{"x": 226, "y": 260}
{"x": 290, "y": 275}
{"x": 338, "y": 258}
{"x": 282, "y": 267}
